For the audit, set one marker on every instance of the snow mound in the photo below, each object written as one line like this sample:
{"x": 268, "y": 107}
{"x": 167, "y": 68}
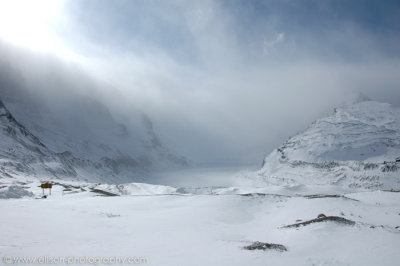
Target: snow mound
{"x": 136, "y": 189}
{"x": 14, "y": 192}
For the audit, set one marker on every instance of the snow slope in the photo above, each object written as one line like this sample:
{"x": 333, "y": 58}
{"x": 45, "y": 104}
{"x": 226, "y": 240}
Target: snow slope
{"x": 357, "y": 146}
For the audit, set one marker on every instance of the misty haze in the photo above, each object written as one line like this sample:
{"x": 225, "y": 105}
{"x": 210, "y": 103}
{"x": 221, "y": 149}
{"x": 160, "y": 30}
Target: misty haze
{"x": 208, "y": 132}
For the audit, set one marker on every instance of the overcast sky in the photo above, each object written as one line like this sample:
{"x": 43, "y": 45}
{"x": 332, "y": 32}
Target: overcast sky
{"x": 221, "y": 80}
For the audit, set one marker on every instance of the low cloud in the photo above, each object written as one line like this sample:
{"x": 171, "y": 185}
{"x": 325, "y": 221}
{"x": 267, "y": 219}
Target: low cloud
{"x": 229, "y": 81}
{"x": 270, "y": 44}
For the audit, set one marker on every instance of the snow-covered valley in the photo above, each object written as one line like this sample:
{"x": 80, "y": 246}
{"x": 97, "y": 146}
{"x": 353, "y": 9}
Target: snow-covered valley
{"x": 307, "y": 205}
{"x": 200, "y": 133}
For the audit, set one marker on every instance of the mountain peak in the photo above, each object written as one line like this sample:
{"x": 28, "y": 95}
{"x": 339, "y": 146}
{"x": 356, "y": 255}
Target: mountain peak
{"x": 3, "y": 110}
{"x": 354, "y": 98}
{"x": 360, "y": 97}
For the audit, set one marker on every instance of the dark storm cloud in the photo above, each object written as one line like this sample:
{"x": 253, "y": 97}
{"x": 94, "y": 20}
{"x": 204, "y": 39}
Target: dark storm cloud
{"x": 230, "y": 80}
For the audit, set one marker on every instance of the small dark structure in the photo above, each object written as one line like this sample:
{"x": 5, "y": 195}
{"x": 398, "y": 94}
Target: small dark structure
{"x": 46, "y": 185}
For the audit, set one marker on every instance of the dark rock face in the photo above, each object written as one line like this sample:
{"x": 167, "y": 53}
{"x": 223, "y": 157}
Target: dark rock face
{"x": 390, "y": 166}
{"x": 319, "y": 196}
{"x": 265, "y": 246}
{"x": 323, "y": 218}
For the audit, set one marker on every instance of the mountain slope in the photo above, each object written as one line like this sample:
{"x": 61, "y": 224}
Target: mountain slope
{"x": 24, "y": 154}
{"x": 86, "y": 128}
{"x": 357, "y": 146}
{"x": 65, "y": 109}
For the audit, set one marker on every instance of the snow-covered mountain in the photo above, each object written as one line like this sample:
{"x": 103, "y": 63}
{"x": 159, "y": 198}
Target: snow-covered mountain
{"x": 68, "y": 122}
{"x": 356, "y": 146}
{"x": 22, "y": 152}
{"x": 63, "y": 129}
{"x": 51, "y": 151}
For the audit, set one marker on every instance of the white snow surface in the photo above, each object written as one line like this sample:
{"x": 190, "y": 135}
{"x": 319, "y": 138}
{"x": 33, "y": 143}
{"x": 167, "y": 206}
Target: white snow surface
{"x": 170, "y": 228}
